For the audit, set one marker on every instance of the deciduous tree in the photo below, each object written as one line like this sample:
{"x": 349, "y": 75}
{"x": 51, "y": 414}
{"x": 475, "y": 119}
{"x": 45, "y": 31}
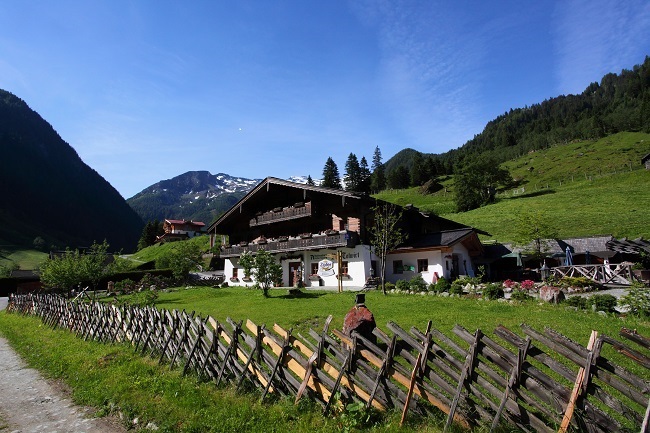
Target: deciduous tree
{"x": 385, "y": 235}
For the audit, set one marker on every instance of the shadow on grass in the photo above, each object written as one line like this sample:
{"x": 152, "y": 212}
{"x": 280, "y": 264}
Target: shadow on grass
{"x": 300, "y": 295}
{"x": 530, "y": 194}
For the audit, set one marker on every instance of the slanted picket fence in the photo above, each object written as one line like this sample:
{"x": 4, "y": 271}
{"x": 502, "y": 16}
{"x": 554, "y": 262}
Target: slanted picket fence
{"x": 540, "y": 382}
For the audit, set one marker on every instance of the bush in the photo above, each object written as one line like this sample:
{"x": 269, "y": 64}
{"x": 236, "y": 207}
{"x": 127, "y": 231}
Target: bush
{"x": 457, "y": 287}
{"x": 125, "y": 286}
{"x": 493, "y": 291}
{"x": 606, "y": 303}
{"x": 418, "y": 284}
{"x": 528, "y": 284}
{"x": 389, "y": 286}
{"x": 637, "y": 301}
{"x": 575, "y": 282}
{"x": 403, "y": 285}
{"x": 520, "y": 295}
{"x": 578, "y": 302}
{"x": 442, "y": 285}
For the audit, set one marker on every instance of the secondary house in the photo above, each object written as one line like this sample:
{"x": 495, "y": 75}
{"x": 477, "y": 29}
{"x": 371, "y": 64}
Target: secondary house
{"x": 306, "y": 228}
{"x": 177, "y": 230}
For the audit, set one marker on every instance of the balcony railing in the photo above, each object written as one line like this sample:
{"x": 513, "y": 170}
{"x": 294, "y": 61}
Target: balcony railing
{"x": 283, "y": 214}
{"x": 316, "y": 242}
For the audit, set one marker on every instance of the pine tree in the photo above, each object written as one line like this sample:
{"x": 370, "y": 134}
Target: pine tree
{"x": 418, "y": 170}
{"x": 351, "y": 177}
{"x": 364, "y": 176}
{"x": 376, "y": 159}
{"x": 331, "y": 177}
{"x": 378, "y": 177}
{"x": 310, "y": 181}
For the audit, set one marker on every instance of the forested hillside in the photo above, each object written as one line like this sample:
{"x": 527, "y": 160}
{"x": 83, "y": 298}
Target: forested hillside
{"x": 620, "y": 102}
{"x": 49, "y": 192}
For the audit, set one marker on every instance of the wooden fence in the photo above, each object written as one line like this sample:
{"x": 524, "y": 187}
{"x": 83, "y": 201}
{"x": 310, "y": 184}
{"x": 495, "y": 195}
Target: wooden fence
{"x": 542, "y": 381}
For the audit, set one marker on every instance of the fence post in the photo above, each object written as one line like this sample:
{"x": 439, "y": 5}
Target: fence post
{"x": 515, "y": 377}
{"x": 578, "y": 387}
{"x": 466, "y": 373}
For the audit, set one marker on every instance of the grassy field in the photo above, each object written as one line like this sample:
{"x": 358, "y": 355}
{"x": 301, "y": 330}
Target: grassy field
{"x": 26, "y": 259}
{"x": 154, "y": 252}
{"x": 583, "y": 188}
{"x": 116, "y": 380}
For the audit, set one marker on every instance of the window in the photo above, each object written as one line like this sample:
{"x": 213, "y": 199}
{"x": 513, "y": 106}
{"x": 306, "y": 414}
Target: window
{"x": 344, "y": 268}
{"x": 423, "y": 265}
{"x": 398, "y": 268}
{"x": 234, "y": 272}
{"x": 314, "y": 268}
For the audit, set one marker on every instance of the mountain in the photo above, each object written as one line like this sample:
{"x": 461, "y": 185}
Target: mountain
{"x": 195, "y": 195}
{"x": 619, "y": 102}
{"x": 48, "y": 191}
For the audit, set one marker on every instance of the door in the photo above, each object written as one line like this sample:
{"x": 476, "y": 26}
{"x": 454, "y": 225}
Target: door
{"x": 295, "y": 273}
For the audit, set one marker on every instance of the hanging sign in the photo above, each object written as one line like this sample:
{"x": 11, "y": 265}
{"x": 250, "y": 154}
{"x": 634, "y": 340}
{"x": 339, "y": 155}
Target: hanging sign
{"x": 325, "y": 268}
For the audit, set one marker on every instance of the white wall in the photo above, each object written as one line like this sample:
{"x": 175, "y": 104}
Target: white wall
{"x": 359, "y": 259}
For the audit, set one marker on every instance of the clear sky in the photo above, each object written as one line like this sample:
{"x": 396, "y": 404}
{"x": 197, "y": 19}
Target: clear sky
{"x": 147, "y": 90}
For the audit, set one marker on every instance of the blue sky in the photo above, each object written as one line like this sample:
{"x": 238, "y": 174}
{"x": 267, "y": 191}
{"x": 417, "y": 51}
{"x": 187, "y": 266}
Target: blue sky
{"x": 147, "y": 90}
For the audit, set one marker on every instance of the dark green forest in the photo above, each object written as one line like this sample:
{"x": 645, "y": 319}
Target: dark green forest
{"x": 49, "y": 192}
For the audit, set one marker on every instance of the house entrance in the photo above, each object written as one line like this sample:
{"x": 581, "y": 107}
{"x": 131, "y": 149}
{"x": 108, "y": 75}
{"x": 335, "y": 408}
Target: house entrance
{"x": 295, "y": 273}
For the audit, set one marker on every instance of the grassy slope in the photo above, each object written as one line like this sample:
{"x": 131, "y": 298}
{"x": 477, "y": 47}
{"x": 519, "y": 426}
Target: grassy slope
{"x": 584, "y": 188}
{"x": 26, "y": 259}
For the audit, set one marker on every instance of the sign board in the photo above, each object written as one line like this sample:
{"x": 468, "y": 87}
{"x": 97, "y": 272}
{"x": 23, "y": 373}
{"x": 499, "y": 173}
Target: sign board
{"x": 325, "y": 268}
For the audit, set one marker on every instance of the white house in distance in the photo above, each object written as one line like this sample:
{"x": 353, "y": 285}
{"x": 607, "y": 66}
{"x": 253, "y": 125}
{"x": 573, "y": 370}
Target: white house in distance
{"x": 176, "y": 230}
{"x": 305, "y": 228}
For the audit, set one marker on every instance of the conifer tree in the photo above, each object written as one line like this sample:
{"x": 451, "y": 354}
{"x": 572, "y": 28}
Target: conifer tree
{"x": 331, "y": 177}
{"x": 378, "y": 177}
{"x": 351, "y": 177}
{"x": 364, "y": 176}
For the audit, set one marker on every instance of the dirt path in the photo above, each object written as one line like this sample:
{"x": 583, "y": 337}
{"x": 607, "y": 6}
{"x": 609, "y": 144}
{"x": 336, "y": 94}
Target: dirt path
{"x": 29, "y": 403}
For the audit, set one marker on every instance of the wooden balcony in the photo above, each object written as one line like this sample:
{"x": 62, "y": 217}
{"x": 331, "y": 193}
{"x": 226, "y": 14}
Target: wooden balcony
{"x": 282, "y": 214}
{"x": 316, "y": 242}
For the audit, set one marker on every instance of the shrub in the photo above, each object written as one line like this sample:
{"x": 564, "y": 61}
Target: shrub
{"x": 457, "y": 287}
{"x": 575, "y": 282}
{"x": 442, "y": 285}
{"x": 520, "y": 295}
{"x": 125, "y": 286}
{"x": 493, "y": 291}
{"x": 637, "y": 301}
{"x": 402, "y": 285}
{"x": 418, "y": 284}
{"x": 389, "y": 286}
{"x": 528, "y": 284}
{"x": 606, "y": 303}
{"x": 578, "y": 302}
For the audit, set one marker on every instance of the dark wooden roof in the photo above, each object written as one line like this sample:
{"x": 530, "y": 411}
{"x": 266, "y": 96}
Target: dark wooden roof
{"x": 446, "y": 238}
{"x": 625, "y": 246}
{"x": 274, "y": 192}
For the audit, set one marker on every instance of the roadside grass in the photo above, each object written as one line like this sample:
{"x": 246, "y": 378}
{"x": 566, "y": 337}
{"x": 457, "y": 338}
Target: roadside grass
{"x": 114, "y": 379}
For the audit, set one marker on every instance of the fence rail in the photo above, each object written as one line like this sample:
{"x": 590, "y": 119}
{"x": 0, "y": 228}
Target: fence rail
{"x": 542, "y": 381}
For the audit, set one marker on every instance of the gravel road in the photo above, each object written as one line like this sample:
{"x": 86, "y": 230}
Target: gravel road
{"x": 29, "y": 403}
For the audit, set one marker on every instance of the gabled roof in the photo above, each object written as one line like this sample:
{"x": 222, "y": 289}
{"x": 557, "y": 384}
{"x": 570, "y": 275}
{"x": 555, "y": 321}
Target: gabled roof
{"x": 288, "y": 192}
{"x": 193, "y": 223}
{"x": 446, "y": 238}
{"x": 596, "y": 245}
